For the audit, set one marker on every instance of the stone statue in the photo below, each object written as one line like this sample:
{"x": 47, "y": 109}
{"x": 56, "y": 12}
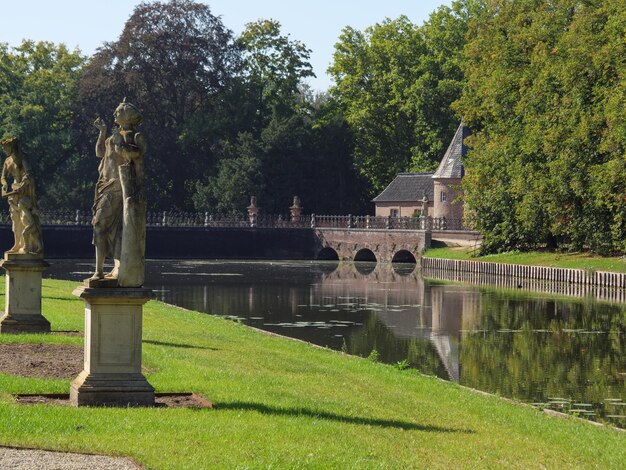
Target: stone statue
{"x": 119, "y": 210}
{"x": 296, "y": 209}
{"x": 22, "y": 199}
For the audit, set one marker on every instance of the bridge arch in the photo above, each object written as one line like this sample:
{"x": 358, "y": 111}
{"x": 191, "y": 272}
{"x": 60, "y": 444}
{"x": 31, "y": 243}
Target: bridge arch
{"x": 328, "y": 254}
{"x": 404, "y": 256}
{"x": 365, "y": 254}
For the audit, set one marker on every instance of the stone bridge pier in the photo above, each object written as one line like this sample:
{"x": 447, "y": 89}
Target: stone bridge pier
{"x": 384, "y": 246}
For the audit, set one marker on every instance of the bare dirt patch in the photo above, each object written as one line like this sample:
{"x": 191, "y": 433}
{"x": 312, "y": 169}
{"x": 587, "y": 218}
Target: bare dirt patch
{"x": 43, "y": 361}
{"x": 64, "y": 361}
{"x": 162, "y": 400}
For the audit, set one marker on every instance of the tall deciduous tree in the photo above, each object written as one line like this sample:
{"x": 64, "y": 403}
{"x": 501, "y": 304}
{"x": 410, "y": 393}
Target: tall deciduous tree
{"x": 396, "y": 82}
{"x": 373, "y": 72}
{"x": 274, "y": 113}
{"x": 547, "y": 93}
{"x": 274, "y": 69}
{"x": 174, "y": 60}
{"x": 37, "y": 89}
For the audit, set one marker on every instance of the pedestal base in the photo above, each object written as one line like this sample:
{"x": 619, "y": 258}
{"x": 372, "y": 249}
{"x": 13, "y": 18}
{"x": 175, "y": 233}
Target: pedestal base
{"x": 22, "y": 313}
{"x": 111, "y": 390}
{"x": 34, "y": 323}
{"x": 112, "y": 369}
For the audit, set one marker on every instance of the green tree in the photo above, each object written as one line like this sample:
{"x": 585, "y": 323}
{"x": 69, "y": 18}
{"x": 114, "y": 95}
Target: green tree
{"x": 238, "y": 177}
{"x": 396, "y": 82}
{"x": 37, "y": 88}
{"x": 547, "y": 93}
{"x": 175, "y": 60}
{"x": 372, "y": 71}
{"x": 274, "y": 68}
{"x": 301, "y": 140}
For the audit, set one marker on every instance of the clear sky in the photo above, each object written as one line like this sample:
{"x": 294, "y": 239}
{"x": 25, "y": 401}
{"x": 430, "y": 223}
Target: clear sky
{"x": 86, "y": 24}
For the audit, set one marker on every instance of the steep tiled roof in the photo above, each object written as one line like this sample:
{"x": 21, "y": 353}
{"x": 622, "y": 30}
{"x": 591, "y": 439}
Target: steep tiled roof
{"x": 408, "y": 187}
{"x": 451, "y": 165}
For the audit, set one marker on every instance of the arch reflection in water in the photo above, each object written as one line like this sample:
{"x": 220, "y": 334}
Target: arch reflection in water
{"x": 365, "y": 267}
{"x": 403, "y": 269}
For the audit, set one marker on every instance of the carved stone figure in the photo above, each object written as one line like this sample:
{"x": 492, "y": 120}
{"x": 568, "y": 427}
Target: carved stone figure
{"x": 18, "y": 187}
{"x": 119, "y": 210}
{"x": 296, "y": 209}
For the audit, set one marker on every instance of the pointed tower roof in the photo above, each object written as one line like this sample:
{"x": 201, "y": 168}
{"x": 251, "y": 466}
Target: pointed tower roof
{"x": 451, "y": 165}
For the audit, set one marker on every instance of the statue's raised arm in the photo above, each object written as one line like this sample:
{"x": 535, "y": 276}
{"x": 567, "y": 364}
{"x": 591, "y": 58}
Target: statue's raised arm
{"x": 100, "y": 143}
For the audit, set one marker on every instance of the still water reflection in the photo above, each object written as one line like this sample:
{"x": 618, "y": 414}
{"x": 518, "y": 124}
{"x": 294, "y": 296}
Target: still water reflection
{"x": 564, "y": 353}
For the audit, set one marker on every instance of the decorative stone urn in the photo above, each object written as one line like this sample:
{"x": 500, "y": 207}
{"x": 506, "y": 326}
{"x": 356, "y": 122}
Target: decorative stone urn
{"x": 253, "y": 211}
{"x": 296, "y": 209}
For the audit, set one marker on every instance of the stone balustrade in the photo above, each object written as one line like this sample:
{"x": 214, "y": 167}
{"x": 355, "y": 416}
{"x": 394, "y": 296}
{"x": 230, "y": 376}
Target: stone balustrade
{"x": 260, "y": 220}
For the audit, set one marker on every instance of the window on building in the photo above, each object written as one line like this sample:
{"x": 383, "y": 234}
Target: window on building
{"x": 394, "y": 213}
{"x": 442, "y": 196}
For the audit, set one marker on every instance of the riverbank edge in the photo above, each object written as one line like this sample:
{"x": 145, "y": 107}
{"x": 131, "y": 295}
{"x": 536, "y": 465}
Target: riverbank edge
{"x": 583, "y": 277}
{"x": 52, "y": 441}
{"x": 512, "y": 401}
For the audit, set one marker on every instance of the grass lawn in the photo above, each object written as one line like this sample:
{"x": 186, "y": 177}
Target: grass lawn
{"x": 537, "y": 258}
{"x": 285, "y": 404}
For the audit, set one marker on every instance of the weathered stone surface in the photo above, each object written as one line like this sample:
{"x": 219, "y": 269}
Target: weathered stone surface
{"x": 384, "y": 244}
{"x": 112, "y": 366}
{"x": 22, "y": 311}
{"x": 18, "y": 186}
{"x": 119, "y": 210}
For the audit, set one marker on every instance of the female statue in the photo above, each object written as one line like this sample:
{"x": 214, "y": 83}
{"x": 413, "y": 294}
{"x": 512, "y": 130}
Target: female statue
{"x": 119, "y": 210}
{"x": 22, "y": 199}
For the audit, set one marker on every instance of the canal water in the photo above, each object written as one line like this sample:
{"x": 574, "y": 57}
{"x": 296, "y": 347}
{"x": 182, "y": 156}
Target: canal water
{"x": 564, "y": 353}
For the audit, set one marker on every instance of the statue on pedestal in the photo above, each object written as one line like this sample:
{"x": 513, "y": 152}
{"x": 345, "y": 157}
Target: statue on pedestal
{"x": 24, "y": 261}
{"x": 114, "y": 302}
{"x": 19, "y": 189}
{"x": 119, "y": 210}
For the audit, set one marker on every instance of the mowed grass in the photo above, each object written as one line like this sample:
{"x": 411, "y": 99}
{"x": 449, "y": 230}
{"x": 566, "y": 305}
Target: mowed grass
{"x": 286, "y": 404}
{"x": 586, "y": 261}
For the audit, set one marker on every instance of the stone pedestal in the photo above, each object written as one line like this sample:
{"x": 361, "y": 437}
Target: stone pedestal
{"x": 22, "y": 311}
{"x": 112, "y": 370}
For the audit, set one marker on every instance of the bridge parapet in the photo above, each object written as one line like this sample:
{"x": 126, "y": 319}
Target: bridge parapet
{"x": 207, "y": 219}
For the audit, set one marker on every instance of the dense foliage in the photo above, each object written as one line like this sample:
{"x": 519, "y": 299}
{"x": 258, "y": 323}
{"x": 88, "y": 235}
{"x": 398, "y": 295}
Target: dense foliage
{"x": 37, "y": 89}
{"x": 542, "y": 84}
{"x": 228, "y": 117}
{"x": 546, "y": 90}
{"x": 395, "y": 82}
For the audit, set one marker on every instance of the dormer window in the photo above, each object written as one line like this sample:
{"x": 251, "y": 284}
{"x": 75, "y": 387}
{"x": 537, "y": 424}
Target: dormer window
{"x": 442, "y": 196}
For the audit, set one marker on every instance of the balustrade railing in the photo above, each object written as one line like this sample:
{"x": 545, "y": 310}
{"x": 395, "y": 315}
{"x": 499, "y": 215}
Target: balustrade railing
{"x": 206, "y": 219}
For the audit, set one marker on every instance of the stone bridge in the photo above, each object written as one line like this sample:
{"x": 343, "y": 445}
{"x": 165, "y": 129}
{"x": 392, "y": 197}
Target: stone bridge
{"x": 371, "y": 244}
